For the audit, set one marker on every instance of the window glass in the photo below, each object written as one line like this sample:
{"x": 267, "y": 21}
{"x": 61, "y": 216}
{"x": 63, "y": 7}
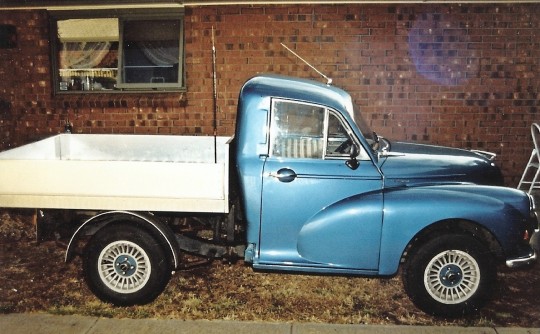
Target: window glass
{"x": 118, "y": 53}
{"x": 88, "y": 54}
{"x": 298, "y": 130}
{"x": 339, "y": 142}
{"x": 151, "y": 51}
{"x": 305, "y": 131}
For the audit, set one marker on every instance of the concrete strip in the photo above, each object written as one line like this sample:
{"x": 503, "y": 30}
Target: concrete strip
{"x": 75, "y": 324}
{"x": 513, "y": 330}
{"x": 128, "y": 326}
{"x": 387, "y": 329}
{"x": 22, "y": 323}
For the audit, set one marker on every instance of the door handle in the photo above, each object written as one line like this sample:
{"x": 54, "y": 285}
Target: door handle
{"x": 284, "y": 175}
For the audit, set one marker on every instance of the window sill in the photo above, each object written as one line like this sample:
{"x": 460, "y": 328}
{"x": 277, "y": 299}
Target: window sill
{"x": 120, "y": 99}
{"x": 123, "y": 91}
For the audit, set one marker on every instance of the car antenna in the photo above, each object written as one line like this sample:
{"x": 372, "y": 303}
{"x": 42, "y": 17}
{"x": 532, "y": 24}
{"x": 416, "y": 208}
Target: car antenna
{"x": 328, "y": 80}
{"x": 214, "y": 88}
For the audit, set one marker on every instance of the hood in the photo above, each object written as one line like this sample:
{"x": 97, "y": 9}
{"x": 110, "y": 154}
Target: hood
{"x": 407, "y": 163}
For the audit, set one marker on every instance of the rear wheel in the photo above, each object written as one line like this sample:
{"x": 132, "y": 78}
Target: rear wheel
{"x": 451, "y": 275}
{"x": 125, "y": 265}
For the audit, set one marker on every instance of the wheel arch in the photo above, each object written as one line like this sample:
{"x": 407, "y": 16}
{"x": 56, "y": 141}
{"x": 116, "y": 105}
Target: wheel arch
{"x": 145, "y": 221}
{"x": 455, "y": 226}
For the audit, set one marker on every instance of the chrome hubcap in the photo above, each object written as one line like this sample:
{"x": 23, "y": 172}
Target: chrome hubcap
{"x": 124, "y": 267}
{"x": 452, "y": 277}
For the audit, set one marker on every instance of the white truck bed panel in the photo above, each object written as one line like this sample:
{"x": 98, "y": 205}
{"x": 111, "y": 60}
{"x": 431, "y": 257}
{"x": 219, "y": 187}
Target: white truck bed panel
{"x": 117, "y": 172}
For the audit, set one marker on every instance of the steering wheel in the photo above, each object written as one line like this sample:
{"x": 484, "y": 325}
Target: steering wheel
{"x": 344, "y": 147}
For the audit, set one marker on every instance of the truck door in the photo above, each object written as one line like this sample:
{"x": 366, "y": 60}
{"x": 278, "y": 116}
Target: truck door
{"x": 317, "y": 211}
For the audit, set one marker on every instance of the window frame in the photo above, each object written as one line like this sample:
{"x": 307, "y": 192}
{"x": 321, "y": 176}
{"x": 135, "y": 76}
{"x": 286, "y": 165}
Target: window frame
{"x": 122, "y": 16}
{"x": 327, "y": 112}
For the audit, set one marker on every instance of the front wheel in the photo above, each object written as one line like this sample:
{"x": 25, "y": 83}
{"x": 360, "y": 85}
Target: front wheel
{"x": 125, "y": 265}
{"x": 450, "y": 276}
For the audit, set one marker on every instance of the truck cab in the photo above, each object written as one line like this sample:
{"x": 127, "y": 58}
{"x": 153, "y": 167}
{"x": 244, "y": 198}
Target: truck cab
{"x": 324, "y": 194}
{"x": 312, "y": 150}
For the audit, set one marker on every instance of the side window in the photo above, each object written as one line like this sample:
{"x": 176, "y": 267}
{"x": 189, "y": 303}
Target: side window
{"x": 339, "y": 142}
{"x": 306, "y": 131}
{"x": 297, "y": 130}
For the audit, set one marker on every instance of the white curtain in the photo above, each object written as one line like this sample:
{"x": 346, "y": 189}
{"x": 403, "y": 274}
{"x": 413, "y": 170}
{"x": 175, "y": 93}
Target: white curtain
{"x": 160, "y": 53}
{"x": 82, "y": 55}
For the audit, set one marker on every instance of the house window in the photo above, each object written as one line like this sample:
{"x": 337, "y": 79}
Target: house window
{"x": 107, "y": 54}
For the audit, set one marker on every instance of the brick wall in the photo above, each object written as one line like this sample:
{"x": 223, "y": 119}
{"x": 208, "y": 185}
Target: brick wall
{"x": 455, "y": 75}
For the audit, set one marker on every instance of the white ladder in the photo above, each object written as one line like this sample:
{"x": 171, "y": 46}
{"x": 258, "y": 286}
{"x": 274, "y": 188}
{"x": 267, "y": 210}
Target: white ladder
{"x": 530, "y": 179}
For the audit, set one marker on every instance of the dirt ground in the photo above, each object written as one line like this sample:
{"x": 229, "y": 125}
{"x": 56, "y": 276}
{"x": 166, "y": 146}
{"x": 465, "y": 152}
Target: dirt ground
{"x": 35, "y": 279}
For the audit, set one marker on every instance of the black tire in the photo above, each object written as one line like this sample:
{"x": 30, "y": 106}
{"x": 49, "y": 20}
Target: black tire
{"x": 124, "y": 265}
{"x": 450, "y": 276}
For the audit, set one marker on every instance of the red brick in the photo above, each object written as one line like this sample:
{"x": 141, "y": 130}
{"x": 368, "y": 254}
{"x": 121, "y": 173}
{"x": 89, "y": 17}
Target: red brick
{"x": 485, "y": 56}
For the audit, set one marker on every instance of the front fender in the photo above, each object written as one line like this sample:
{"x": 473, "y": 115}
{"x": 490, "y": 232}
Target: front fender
{"x": 147, "y": 221}
{"x": 501, "y": 211}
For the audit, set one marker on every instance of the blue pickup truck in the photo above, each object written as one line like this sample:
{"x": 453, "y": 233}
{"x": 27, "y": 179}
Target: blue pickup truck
{"x": 310, "y": 189}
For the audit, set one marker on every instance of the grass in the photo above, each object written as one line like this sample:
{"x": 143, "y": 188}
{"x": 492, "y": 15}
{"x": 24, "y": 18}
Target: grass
{"x": 36, "y": 279}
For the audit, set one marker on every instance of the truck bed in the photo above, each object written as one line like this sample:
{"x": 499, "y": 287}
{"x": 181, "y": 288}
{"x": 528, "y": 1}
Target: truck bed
{"x": 117, "y": 172}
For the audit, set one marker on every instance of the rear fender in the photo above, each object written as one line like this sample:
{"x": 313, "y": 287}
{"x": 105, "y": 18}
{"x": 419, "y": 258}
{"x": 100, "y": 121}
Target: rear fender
{"x": 146, "y": 221}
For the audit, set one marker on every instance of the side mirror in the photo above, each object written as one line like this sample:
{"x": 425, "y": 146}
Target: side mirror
{"x": 352, "y": 163}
